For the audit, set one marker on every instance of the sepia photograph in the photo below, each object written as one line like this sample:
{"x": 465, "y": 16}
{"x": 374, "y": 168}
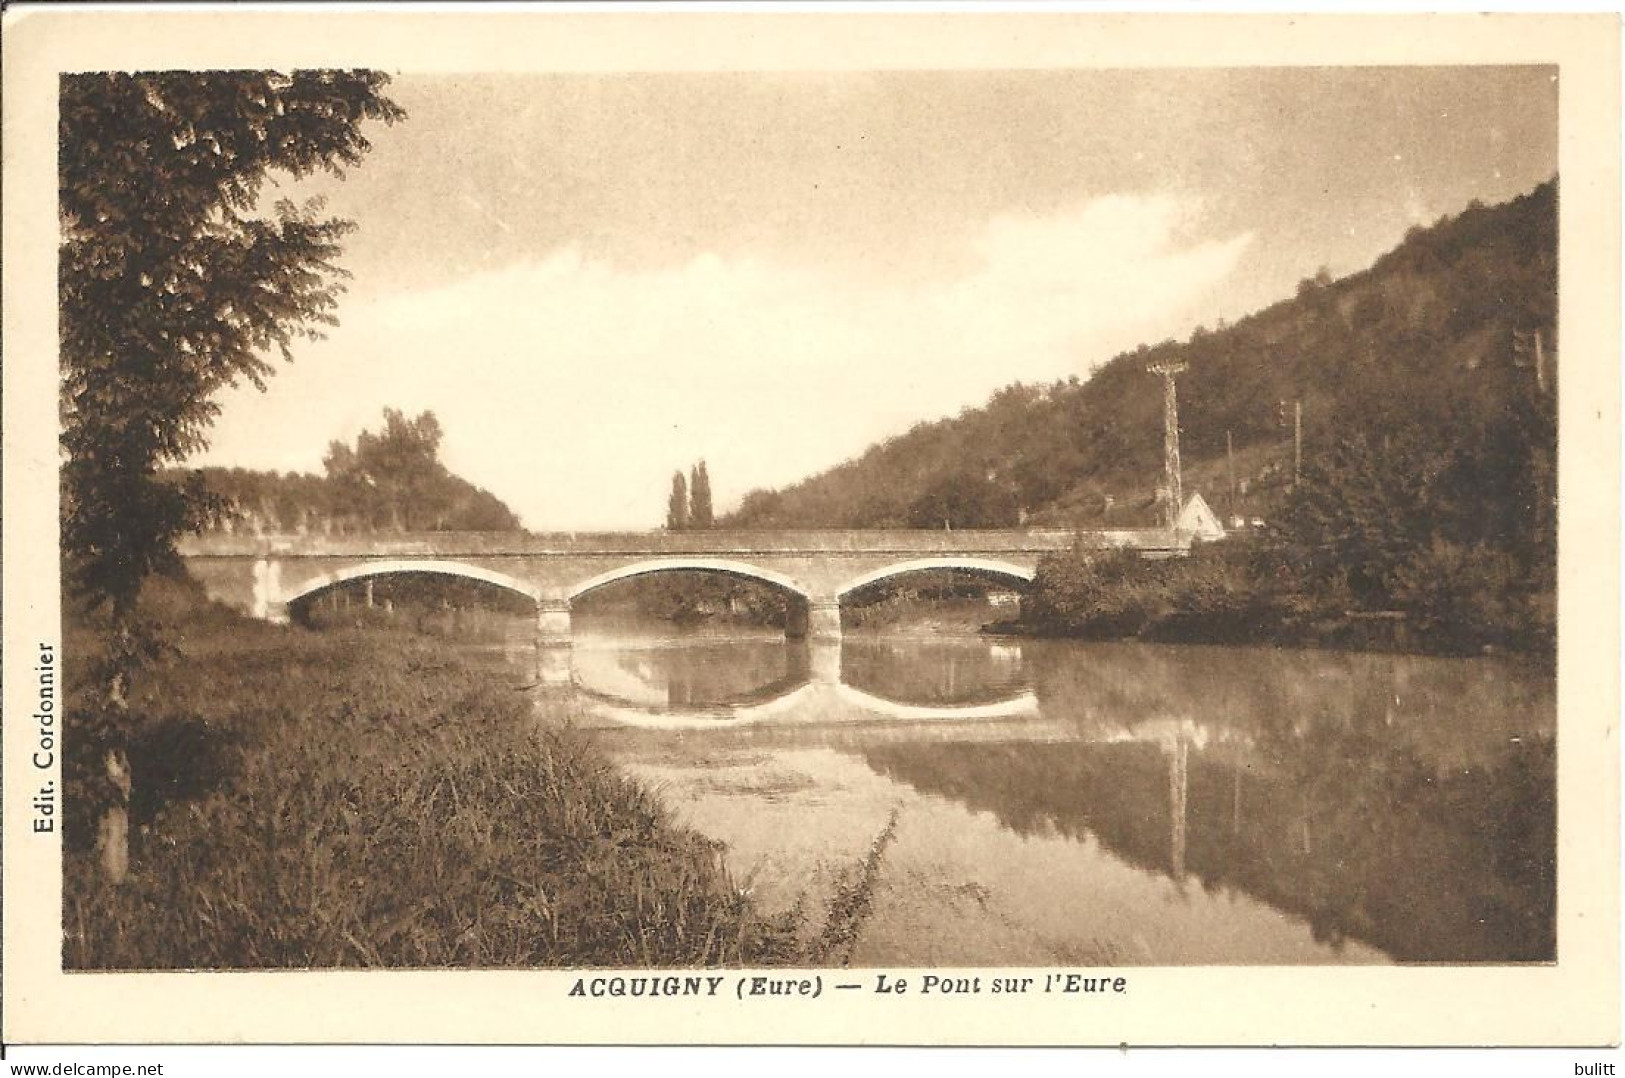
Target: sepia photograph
{"x": 768, "y": 531}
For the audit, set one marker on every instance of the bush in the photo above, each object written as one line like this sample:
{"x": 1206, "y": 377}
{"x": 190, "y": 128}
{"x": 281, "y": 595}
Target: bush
{"x": 1215, "y": 596}
{"x": 1212, "y": 595}
{"x": 1462, "y": 597}
{"x": 1445, "y": 597}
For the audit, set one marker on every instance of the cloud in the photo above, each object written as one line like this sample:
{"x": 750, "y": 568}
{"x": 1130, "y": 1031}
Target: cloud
{"x": 572, "y": 387}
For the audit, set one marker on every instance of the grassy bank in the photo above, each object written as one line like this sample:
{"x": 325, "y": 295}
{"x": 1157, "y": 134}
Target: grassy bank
{"x": 353, "y": 799}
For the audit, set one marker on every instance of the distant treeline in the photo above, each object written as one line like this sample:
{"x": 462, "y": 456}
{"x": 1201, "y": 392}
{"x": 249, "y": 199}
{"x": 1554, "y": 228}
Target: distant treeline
{"x": 1431, "y": 340}
{"x": 392, "y": 481}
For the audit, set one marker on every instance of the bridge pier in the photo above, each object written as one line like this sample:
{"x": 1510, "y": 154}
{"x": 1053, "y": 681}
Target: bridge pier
{"x": 553, "y": 623}
{"x": 267, "y": 589}
{"x": 814, "y": 619}
{"x": 824, "y": 662}
{"x": 824, "y": 619}
{"x": 554, "y": 666}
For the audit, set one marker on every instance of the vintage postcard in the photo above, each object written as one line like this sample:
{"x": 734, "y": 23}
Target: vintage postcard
{"x": 810, "y": 527}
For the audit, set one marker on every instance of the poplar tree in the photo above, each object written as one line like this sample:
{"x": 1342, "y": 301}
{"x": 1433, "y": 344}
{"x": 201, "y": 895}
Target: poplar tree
{"x": 699, "y": 493}
{"x": 677, "y": 504}
{"x": 174, "y": 283}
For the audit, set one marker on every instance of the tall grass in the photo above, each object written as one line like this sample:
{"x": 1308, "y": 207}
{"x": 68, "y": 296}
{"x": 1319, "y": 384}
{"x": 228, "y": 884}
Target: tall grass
{"x": 853, "y": 903}
{"x": 319, "y": 800}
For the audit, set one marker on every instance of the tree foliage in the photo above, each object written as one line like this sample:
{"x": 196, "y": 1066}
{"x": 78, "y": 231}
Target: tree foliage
{"x": 1438, "y": 538}
{"x": 689, "y": 504}
{"x": 957, "y": 500}
{"x": 394, "y": 481}
{"x": 700, "y": 514}
{"x": 173, "y": 284}
{"x": 677, "y": 503}
{"x": 389, "y": 481}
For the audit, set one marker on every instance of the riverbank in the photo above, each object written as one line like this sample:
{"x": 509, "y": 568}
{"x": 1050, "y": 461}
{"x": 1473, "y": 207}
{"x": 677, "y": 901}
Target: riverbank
{"x": 363, "y": 799}
{"x": 1242, "y": 596}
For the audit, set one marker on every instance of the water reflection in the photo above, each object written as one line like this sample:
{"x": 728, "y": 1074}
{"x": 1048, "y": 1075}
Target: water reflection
{"x": 1400, "y": 804}
{"x": 701, "y": 674}
{"x": 953, "y": 671}
{"x": 745, "y": 678}
{"x": 1357, "y": 835}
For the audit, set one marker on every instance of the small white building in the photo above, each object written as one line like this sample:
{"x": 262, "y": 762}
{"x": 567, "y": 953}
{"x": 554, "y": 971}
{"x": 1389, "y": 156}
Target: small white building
{"x": 1199, "y": 521}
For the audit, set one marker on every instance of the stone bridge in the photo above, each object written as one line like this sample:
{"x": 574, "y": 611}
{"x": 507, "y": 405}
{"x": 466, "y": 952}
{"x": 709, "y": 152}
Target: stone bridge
{"x": 263, "y": 575}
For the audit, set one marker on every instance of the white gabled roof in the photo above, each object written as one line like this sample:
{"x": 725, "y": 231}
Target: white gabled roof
{"x": 1199, "y": 519}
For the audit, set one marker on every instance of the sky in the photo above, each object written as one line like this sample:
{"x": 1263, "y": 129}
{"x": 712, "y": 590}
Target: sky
{"x": 596, "y": 279}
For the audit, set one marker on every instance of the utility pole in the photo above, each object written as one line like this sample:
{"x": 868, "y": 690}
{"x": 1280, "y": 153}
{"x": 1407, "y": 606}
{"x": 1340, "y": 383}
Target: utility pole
{"x": 1522, "y": 357}
{"x": 1297, "y": 441}
{"x": 1170, "y": 437}
{"x": 1297, "y": 434}
{"x": 1230, "y": 463}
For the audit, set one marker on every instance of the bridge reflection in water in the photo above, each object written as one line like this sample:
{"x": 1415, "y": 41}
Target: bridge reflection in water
{"x": 1393, "y": 806}
{"x": 743, "y": 682}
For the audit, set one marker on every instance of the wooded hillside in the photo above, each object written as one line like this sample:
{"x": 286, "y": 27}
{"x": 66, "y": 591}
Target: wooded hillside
{"x": 1440, "y": 335}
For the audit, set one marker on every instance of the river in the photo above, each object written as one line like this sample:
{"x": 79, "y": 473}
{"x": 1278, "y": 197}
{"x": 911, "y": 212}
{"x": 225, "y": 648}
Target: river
{"x": 1045, "y": 803}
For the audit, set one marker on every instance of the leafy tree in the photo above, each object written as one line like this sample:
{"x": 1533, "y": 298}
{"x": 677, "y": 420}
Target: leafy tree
{"x": 173, "y": 285}
{"x": 959, "y": 500}
{"x": 404, "y": 456}
{"x": 699, "y": 498}
{"x": 677, "y": 504}
{"x": 395, "y": 477}
{"x": 1361, "y": 510}
{"x": 389, "y": 481}
{"x": 355, "y": 503}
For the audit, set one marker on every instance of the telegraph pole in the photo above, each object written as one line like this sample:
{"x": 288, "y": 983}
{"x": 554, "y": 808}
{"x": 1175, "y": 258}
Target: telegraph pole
{"x": 1529, "y": 350}
{"x": 1230, "y": 465}
{"x": 1170, "y": 437}
{"x": 1297, "y": 435}
{"x": 1297, "y": 441}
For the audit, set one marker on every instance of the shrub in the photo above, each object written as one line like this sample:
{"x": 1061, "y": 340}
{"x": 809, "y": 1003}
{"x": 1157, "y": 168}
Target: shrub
{"x": 1212, "y": 595}
{"x": 1461, "y": 597}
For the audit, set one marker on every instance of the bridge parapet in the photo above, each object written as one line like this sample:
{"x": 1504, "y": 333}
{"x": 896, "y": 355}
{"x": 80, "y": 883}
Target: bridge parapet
{"x": 706, "y": 542}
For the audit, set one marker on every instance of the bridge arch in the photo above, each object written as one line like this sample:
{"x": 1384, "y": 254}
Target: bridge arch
{"x": 712, "y": 565}
{"x": 718, "y": 717}
{"x": 988, "y": 566}
{"x": 1021, "y": 703}
{"x": 362, "y": 571}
